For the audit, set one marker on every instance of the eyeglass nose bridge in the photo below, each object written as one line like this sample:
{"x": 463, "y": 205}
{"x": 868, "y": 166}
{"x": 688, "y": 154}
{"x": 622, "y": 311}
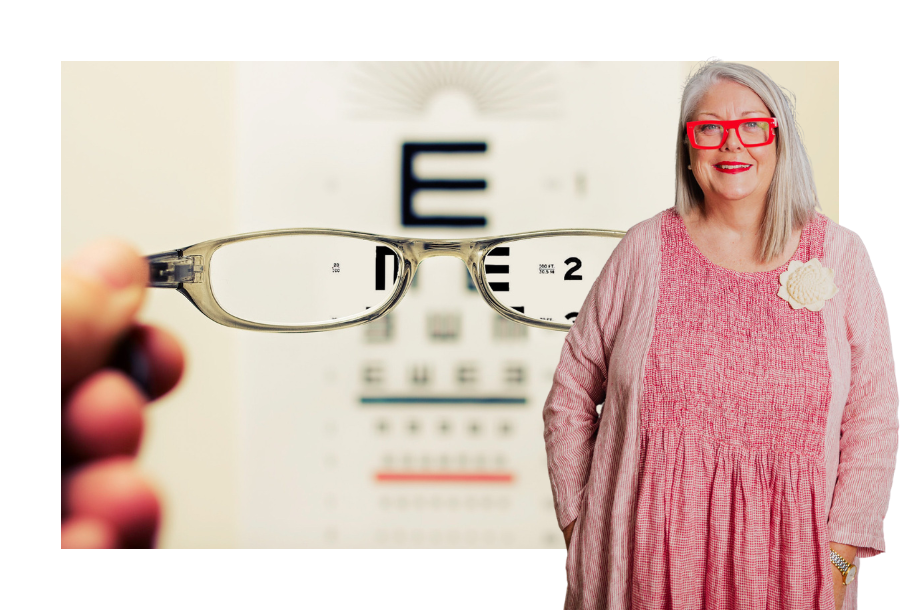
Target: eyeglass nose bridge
{"x": 466, "y": 250}
{"x": 728, "y": 132}
{"x": 457, "y": 248}
{"x": 418, "y": 250}
{"x": 472, "y": 253}
{"x": 415, "y": 251}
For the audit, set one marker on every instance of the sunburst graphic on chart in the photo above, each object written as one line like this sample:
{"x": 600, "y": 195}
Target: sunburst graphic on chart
{"x": 493, "y": 89}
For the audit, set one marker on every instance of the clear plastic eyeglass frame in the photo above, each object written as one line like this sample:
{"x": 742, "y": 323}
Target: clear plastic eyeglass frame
{"x": 188, "y": 271}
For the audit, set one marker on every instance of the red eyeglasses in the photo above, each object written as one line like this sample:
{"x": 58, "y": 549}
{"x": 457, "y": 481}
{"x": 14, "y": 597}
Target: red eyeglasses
{"x": 712, "y": 134}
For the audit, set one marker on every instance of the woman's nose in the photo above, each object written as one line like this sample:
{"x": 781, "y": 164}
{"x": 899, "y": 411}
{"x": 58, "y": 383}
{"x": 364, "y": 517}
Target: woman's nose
{"x": 732, "y": 141}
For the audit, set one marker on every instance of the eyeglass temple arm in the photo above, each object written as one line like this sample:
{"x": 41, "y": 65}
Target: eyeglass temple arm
{"x": 171, "y": 269}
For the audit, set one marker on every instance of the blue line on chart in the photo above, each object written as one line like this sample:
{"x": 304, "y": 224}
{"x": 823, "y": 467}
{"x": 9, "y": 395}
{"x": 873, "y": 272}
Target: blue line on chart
{"x": 444, "y": 400}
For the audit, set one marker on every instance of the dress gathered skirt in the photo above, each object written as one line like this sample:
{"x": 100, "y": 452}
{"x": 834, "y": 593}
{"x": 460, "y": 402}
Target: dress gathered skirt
{"x": 737, "y": 436}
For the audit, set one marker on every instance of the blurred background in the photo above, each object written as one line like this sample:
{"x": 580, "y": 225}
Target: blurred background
{"x": 267, "y": 441}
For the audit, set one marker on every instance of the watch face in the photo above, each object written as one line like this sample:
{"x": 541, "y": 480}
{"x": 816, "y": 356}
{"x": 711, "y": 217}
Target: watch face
{"x": 851, "y": 574}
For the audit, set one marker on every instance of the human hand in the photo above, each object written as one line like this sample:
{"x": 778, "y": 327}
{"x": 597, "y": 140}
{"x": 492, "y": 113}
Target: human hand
{"x": 840, "y": 589}
{"x": 567, "y": 533}
{"x": 106, "y": 502}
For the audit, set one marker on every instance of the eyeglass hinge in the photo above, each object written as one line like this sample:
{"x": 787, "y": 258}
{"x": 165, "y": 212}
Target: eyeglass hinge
{"x": 171, "y": 269}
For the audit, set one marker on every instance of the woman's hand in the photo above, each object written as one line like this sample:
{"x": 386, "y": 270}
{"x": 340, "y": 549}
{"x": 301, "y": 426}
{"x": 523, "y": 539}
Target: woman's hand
{"x": 106, "y": 502}
{"x": 840, "y": 589}
{"x": 567, "y": 533}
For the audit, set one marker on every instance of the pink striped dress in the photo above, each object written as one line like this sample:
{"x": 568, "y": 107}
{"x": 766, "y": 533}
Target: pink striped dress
{"x": 737, "y": 436}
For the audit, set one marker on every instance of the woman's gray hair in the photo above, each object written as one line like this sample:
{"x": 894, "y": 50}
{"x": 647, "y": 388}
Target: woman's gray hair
{"x": 792, "y": 200}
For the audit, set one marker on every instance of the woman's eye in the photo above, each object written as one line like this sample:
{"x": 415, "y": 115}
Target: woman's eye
{"x": 710, "y": 128}
{"x": 752, "y": 126}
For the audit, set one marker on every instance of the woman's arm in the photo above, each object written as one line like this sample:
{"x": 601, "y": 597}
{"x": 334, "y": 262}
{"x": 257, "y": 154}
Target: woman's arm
{"x": 579, "y": 385}
{"x": 868, "y": 446}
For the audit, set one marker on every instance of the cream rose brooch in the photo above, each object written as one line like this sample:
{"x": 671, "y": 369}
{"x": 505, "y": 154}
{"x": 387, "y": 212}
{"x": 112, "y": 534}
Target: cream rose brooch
{"x": 807, "y": 285}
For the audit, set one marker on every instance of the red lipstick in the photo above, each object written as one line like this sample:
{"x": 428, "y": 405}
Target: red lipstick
{"x": 732, "y": 168}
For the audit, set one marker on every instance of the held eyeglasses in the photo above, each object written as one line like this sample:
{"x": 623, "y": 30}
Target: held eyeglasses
{"x": 308, "y": 280}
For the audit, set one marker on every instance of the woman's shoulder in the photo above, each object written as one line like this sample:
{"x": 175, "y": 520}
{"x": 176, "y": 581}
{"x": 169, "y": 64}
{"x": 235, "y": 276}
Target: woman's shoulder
{"x": 644, "y": 235}
{"x": 841, "y": 243}
{"x": 846, "y": 254}
{"x": 637, "y": 253}
{"x": 646, "y": 228}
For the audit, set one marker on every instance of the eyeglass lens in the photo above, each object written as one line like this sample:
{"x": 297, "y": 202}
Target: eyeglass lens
{"x": 314, "y": 279}
{"x": 547, "y": 278}
{"x": 302, "y": 279}
{"x": 714, "y": 134}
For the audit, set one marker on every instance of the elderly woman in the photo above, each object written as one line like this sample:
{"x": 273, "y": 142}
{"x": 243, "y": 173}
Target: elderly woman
{"x": 739, "y": 344}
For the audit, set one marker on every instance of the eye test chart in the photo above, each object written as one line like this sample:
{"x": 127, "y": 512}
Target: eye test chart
{"x": 424, "y": 428}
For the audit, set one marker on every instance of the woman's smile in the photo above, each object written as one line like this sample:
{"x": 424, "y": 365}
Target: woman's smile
{"x": 731, "y": 168}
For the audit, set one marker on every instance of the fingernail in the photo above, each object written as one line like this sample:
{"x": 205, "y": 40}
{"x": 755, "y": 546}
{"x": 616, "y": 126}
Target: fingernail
{"x": 108, "y": 261}
{"x": 130, "y": 358}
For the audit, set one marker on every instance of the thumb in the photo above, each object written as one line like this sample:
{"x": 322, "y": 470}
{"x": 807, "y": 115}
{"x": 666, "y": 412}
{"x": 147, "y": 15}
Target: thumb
{"x": 102, "y": 289}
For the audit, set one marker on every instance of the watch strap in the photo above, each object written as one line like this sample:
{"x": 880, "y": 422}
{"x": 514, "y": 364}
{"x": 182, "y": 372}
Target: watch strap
{"x": 841, "y": 564}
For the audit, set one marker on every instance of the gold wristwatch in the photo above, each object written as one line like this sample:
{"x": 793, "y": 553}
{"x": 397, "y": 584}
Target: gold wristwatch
{"x": 848, "y": 571}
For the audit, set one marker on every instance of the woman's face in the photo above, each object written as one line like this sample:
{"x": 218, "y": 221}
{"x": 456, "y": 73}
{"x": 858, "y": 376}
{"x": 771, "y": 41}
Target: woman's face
{"x": 732, "y": 172}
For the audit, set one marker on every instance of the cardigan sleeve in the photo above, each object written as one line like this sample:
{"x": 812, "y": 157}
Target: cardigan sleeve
{"x": 868, "y": 445}
{"x": 579, "y": 385}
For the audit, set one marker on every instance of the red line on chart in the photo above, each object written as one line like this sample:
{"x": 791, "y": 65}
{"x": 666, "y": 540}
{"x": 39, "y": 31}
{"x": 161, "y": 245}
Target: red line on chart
{"x": 444, "y": 477}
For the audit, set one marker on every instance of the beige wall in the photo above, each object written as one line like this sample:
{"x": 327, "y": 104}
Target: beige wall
{"x": 148, "y": 155}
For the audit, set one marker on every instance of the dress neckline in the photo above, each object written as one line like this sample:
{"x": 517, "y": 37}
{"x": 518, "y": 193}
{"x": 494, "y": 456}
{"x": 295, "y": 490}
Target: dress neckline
{"x": 797, "y": 255}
